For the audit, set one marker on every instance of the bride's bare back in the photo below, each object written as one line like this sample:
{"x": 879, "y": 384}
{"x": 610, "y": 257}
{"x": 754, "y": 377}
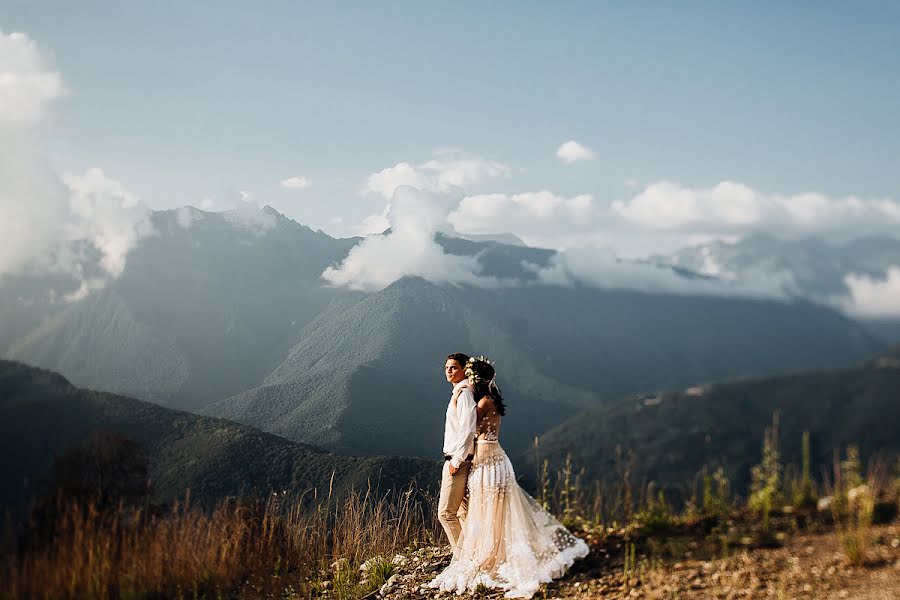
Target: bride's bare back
{"x": 488, "y": 425}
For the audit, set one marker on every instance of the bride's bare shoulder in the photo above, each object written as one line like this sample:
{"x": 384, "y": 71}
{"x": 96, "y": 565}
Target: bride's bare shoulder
{"x": 485, "y": 406}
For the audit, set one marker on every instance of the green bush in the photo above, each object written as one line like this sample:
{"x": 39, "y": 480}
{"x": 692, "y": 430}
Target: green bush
{"x": 656, "y": 516}
{"x": 765, "y": 491}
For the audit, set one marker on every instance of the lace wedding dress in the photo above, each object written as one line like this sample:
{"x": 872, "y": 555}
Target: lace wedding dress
{"x": 509, "y": 541}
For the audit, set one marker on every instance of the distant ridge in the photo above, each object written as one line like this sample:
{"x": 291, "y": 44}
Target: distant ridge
{"x": 42, "y": 415}
{"x": 366, "y": 377}
{"x": 675, "y": 434}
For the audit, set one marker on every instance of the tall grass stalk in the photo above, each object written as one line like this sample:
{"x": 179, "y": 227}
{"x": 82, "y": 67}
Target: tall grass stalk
{"x": 853, "y": 502}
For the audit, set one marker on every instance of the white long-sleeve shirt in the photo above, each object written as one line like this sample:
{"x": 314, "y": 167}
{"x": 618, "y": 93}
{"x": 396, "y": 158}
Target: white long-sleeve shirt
{"x": 459, "y": 430}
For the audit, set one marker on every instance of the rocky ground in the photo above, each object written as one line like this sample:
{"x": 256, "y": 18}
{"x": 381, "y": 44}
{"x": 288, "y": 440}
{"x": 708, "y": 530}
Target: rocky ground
{"x": 809, "y": 565}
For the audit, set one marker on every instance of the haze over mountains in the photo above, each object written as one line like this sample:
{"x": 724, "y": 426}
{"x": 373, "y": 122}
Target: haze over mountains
{"x": 837, "y": 274}
{"x": 205, "y": 308}
{"x": 227, "y": 313}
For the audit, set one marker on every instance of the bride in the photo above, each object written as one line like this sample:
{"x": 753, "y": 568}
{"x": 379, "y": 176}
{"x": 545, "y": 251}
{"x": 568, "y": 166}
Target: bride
{"x": 508, "y": 542}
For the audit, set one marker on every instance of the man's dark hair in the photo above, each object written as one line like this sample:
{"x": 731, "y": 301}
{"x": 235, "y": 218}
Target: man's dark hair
{"x": 459, "y": 357}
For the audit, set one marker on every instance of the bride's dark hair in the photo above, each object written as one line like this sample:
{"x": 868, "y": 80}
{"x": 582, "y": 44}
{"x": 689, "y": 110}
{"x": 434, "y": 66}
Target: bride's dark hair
{"x": 481, "y": 374}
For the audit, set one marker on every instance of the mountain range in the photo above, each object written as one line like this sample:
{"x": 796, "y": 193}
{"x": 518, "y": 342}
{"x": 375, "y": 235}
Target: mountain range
{"x": 230, "y": 318}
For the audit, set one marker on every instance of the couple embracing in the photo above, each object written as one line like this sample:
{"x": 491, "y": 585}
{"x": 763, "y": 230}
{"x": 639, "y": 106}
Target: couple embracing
{"x": 500, "y": 536}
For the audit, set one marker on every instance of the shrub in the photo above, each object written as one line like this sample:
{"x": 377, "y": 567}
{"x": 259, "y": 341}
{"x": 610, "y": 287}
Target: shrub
{"x": 656, "y": 516}
{"x": 765, "y": 491}
{"x": 107, "y": 468}
{"x": 716, "y": 502}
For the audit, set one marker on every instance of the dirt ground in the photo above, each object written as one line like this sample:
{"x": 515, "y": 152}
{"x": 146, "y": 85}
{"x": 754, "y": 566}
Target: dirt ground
{"x": 806, "y": 566}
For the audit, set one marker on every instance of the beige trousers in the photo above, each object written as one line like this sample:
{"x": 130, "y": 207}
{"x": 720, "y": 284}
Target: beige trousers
{"x": 452, "y": 503}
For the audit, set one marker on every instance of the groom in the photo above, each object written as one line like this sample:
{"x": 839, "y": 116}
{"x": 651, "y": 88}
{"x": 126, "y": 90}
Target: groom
{"x": 459, "y": 448}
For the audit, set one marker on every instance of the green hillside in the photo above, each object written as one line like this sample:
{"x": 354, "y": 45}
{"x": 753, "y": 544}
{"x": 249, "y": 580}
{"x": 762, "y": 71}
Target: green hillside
{"x": 368, "y": 378}
{"x": 675, "y": 434}
{"x": 42, "y": 415}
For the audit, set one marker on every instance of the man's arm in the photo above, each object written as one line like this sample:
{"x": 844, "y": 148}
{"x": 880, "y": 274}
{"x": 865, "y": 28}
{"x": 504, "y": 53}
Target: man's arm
{"x": 467, "y": 417}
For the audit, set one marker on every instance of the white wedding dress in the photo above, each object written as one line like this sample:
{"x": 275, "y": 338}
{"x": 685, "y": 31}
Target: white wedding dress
{"x": 508, "y": 541}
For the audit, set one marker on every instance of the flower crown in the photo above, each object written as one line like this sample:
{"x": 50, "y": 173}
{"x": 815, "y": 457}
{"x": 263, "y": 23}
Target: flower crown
{"x": 474, "y": 377}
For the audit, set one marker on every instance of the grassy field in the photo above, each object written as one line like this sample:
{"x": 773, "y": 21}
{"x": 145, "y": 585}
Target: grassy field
{"x": 320, "y": 545}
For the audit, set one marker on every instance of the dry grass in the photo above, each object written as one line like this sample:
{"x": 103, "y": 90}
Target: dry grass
{"x": 566, "y": 493}
{"x": 258, "y": 548}
{"x": 853, "y": 502}
{"x": 283, "y": 547}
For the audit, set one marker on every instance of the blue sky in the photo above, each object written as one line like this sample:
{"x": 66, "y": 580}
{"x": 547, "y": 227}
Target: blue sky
{"x": 182, "y": 101}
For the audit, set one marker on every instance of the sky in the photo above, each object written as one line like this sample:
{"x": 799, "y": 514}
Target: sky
{"x": 638, "y": 127}
{"x": 187, "y": 100}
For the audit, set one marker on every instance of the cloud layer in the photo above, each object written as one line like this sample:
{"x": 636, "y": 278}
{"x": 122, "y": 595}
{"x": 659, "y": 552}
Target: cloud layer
{"x": 589, "y": 236}
{"x": 665, "y": 216}
{"x": 735, "y": 208}
{"x": 598, "y": 266}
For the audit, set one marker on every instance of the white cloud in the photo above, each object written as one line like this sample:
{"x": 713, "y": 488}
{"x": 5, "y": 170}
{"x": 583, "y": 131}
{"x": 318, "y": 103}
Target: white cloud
{"x": 666, "y": 216}
{"x": 295, "y": 183}
{"x": 735, "y": 208}
{"x": 538, "y": 218}
{"x": 447, "y": 172}
{"x": 420, "y": 198}
{"x": 374, "y": 224}
{"x": 108, "y": 216}
{"x": 33, "y": 202}
{"x": 402, "y": 174}
{"x": 409, "y": 249}
{"x": 874, "y": 297}
{"x": 47, "y": 223}
{"x": 572, "y": 151}
{"x": 593, "y": 239}
{"x": 27, "y": 83}
{"x": 667, "y": 205}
